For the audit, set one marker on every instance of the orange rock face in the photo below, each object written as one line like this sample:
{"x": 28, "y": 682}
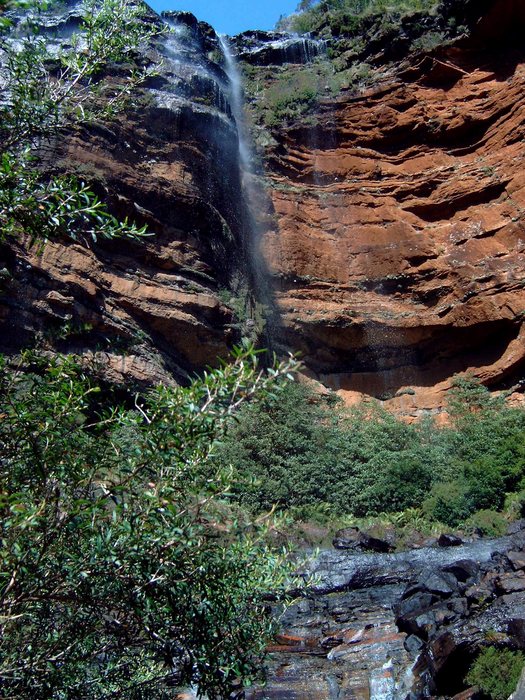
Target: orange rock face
{"x": 398, "y": 257}
{"x": 395, "y": 239}
{"x": 151, "y": 311}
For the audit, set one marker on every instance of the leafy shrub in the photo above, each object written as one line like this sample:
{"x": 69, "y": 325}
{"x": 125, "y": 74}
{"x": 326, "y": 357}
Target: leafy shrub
{"x": 479, "y": 486}
{"x": 448, "y": 503}
{"x": 496, "y": 672}
{"x": 114, "y": 575}
{"x": 429, "y": 41}
{"x": 45, "y": 91}
{"x": 297, "y": 451}
{"x": 488, "y": 522}
{"x": 514, "y": 505}
{"x": 278, "y": 453}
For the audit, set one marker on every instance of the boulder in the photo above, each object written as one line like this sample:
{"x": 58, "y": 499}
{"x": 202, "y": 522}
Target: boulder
{"x": 510, "y": 583}
{"x": 371, "y": 540}
{"x": 464, "y": 570}
{"x": 517, "y": 559}
{"x": 516, "y": 526}
{"x": 449, "y": 540}
{"x": 347, "y": 538}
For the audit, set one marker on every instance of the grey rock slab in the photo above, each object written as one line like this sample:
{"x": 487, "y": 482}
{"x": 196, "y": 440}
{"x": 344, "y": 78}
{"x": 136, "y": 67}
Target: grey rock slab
{"x": 336, "y": 571}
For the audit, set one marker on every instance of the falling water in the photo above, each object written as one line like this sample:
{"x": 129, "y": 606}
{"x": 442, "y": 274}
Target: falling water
{"x": 254, "y": 197}
{"x": 237, "y": 100}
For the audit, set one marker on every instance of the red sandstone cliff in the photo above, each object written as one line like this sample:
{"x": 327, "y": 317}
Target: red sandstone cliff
{"x": 396, "y": 246}
{"x": 399, "y": 251}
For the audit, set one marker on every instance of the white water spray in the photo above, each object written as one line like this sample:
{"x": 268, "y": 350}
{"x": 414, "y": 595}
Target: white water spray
{"x": 237, "y": 99}
{"x": 254, "y": 196}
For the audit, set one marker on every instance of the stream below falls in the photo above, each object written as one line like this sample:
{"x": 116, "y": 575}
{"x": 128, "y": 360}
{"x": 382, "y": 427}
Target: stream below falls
{"x": 396, "y": 626}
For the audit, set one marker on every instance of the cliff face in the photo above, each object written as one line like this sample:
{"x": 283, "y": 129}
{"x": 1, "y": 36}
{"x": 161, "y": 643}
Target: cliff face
{"x": 151, "y": 311}
{"x": 394, "y": 239}
{"x": 399, "y": 251}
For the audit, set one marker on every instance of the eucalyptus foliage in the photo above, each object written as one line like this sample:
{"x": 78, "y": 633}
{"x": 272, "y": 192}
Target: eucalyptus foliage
{"x": 122, "y": 572}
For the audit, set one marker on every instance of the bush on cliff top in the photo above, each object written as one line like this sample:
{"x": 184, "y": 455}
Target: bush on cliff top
{"x": 340, "y": 17}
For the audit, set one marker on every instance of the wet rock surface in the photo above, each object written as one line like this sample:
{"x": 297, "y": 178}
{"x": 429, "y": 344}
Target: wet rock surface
{"x": 150, "y": 312}
{"x": 276, "y": 48}
{"x": 392, "y": 626}
{"x": 370, "y": 540}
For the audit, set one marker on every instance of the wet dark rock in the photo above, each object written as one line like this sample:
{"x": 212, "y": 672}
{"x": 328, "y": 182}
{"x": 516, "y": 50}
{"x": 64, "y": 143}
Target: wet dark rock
{"x": 519, "y": 693}
{"x": 516, "y": 628}
{"x": 442, "y": 583}
{"x": 369, "y": 541}
{"x": 276, "y": 48}
{"x": 516, "y": 526}
{"x": 413, "y": 644}
{"x": 510, "y": 583}
{"x": 413, "y": 606}
{"x": 422, "y": 614}
{"x": 449, "y": 540}
{"x": 182, "y": 17}
{"x": 464, "y": 570}
{"x": 479, "y": 594}
{"x": 397, "y": 625}
{"x": 202, "y": 33}
{"x": 343, "y": 570}
{"x": 499, "y": 563}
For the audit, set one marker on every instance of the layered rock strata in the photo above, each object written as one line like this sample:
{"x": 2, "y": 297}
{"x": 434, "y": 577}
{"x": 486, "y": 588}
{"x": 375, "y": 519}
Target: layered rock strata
{"x": 155, "y": 310}
{"x": 393, "y": 241}
{"x": 398, "y": 253}
{"x": 397, "y": 626}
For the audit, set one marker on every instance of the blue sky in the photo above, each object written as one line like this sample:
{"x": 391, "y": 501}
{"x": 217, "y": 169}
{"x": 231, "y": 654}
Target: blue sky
{"x": 232, "y": 16}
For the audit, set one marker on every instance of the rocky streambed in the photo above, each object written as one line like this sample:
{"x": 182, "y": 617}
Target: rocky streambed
{"x": 399, "y": 625}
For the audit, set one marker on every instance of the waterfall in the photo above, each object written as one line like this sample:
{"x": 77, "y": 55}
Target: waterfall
{"x": 255, "y": 201}
{"x": 237, "y": 101}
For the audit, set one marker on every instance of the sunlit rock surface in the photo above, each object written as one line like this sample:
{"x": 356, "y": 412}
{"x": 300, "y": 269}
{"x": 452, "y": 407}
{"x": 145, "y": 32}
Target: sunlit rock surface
{"x": 398, "y": 252}
{"x": 386, "y": 233}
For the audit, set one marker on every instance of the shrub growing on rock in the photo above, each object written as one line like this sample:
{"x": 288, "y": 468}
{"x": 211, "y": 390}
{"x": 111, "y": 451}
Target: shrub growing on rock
{"x": 496, "y": 672}
{"x": 487, "y": 522}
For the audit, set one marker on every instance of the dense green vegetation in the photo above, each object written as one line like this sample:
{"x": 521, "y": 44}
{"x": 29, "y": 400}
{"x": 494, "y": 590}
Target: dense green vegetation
{"x": 302, "y": 451}
{"x": 345, "y": 17}
{"x": 496, "y": 672}
{"x": 122, "y": 571}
